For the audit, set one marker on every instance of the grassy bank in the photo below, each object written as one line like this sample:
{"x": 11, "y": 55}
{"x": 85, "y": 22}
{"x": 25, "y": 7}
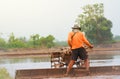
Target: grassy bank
{"x": 4, "y": 74}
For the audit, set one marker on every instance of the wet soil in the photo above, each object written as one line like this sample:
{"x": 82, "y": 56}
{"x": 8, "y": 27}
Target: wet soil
{"x": 47, "y": 52}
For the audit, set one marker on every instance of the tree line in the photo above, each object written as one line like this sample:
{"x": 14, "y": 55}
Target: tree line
{"x": 35, "y": 41}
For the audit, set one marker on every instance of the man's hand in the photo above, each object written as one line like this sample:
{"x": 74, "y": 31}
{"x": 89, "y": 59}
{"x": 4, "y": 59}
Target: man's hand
{"x": 91, "y": 46}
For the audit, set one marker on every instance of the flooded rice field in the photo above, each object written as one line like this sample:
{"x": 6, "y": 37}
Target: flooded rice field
{"x": 13, "y": 64}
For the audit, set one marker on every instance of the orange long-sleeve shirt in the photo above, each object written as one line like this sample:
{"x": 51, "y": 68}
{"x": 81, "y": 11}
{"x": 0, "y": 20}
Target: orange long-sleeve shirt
{"x": 77, "y": 40}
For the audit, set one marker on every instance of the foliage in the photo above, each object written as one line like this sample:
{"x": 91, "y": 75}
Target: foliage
{"x": 48, "y": 41}
{"x": 15, "y": 42}
{"x": 2, "y": 43}
{"x": 96, "y": 27}
{"x": 35, "y": 41}
{"x": 4, "y": 74}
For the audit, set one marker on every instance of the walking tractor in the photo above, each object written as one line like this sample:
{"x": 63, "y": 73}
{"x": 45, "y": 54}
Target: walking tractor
{"x": 61, "y": 59}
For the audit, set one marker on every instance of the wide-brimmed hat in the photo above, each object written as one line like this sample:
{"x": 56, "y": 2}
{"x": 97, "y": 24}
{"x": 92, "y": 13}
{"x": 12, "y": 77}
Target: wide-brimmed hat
{"x": 76, "y": 27}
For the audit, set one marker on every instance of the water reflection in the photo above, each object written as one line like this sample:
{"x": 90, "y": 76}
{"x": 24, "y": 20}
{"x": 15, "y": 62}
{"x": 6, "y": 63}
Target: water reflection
{"x": 105, "y": 60}
{"x": 101, "y": 56}
{"x": 24, "y": 60}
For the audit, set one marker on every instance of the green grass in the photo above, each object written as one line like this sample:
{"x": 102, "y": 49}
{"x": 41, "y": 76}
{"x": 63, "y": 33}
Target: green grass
{"x": 4, "y": 74}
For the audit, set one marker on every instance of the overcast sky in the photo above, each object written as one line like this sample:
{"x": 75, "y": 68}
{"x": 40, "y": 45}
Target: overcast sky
{"x": 44, "y": 17}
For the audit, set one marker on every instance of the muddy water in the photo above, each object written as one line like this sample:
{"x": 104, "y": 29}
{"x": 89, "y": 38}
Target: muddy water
{"x": 104, "y": 60}
{"x": 14, "y": 64}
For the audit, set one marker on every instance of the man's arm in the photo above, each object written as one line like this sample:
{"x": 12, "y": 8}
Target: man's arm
{"x": 69, "y": 40}
{"x": 87, "y": 42}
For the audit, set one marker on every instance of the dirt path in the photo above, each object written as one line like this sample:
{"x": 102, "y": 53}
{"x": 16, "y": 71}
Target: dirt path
{"x": 46, "y": 52}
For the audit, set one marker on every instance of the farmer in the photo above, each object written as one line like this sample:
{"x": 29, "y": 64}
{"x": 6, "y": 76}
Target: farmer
{"x": 76, "y": 39}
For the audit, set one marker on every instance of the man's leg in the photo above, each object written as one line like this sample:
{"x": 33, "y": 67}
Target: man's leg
{"x": 70, "y": 66}
{"x": 86, "y": 62}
